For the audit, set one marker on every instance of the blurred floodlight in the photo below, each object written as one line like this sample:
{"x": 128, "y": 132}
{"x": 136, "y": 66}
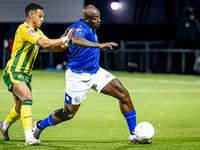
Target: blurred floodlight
{"x": 187, "y": 25}
{"x": 115, "y": 5}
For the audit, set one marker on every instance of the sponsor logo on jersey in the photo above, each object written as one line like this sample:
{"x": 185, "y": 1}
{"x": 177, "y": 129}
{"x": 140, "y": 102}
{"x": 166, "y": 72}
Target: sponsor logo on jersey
{"x": 31, "y": 33}
{"x": 27, "y": 116}
{"x": 78, "y": 29}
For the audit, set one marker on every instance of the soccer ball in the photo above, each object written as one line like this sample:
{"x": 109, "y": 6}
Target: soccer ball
{"x": 144, "y": 131}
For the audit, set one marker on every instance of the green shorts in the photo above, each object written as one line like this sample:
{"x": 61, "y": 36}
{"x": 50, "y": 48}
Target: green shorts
{"x": 16, "y": 77}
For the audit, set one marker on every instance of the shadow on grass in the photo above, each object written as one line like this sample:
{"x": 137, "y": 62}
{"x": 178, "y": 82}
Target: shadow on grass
{"x": 157, "y": 144}
{"x": 63, "y": 144}
{"x": 12, "y": 142}
{"x": 89, "y": 145}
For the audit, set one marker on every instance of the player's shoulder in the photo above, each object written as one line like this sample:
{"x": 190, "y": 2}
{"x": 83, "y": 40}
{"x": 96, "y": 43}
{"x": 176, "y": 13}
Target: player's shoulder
{"x": 79, "y": 29}
{"x": 80, "y": 25}
{"x": 24, "y": 27}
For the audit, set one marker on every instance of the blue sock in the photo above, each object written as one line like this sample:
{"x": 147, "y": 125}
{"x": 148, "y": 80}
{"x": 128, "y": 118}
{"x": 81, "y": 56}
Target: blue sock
{"x": 131, "y": 120}
{"x": 47, "y": 122}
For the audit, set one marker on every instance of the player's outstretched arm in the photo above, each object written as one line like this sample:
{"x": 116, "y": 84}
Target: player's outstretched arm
{"x": 45, "y": 43}
{"x": 108, "y": 45}
{"x": 81, "y": 42}
{"x": 59, "y": 48}
{"x": 56, "y": 45}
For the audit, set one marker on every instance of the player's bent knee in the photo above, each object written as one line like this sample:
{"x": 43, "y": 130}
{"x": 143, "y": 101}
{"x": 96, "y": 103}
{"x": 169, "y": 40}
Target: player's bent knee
{"x": 125, "y": 95}
{"x": 125, "y": 98}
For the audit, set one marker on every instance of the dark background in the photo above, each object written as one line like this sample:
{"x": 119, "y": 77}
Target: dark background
{"x": 136, "y": 20}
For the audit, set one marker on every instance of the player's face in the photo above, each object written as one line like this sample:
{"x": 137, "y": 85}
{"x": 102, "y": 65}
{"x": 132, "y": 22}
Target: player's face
{"x": 94, "y": 21}
{"x": 38, "y": 18}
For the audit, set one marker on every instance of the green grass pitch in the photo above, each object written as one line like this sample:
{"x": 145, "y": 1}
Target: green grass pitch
{"x": 170, "y": 103}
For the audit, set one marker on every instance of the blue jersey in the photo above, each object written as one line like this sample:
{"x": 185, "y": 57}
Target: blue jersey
{"x": 84, "y": 59}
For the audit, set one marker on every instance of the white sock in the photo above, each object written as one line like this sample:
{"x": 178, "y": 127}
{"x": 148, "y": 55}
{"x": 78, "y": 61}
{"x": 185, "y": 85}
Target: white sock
{"x": 28, "y": 133}
{"x": 6, "y": 125}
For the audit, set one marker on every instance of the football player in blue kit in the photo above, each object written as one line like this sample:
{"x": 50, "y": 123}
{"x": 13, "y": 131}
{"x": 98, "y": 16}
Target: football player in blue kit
{"x": 84, "y": 73}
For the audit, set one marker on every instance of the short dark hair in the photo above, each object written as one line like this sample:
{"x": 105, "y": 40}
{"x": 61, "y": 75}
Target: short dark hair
{"x": 32, "y": 6}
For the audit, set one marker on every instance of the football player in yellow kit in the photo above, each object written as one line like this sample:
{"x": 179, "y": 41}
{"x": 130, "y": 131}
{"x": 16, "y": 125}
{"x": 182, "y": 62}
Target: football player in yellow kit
{"x": 18, "y": 71}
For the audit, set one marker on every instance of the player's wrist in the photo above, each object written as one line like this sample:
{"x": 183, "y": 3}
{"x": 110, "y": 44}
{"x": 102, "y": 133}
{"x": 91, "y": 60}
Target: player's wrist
{"x": 67, "y": 44}
{"x": 65, "y": 39}
{"x": 98, "y": 45}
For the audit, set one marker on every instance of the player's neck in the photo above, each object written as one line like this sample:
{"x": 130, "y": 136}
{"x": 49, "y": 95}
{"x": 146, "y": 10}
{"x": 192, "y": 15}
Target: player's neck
{"x": 30, "y": 23}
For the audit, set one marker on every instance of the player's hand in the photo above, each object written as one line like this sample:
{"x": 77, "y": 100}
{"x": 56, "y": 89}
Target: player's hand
{"x": 68, "y": 33}
{"x": 65, "y": 33}
{"x": 108, "y": 45}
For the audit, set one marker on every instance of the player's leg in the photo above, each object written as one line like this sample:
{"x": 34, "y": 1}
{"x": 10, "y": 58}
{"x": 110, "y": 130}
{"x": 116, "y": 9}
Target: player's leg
{"x": 73, "y": 99}
{"x": 115, "y": 88}
{"x": 66, "y": 113}
{"x": 19, "y": 84}
{"x": 13, "y": 116}
{"x": 108, "y": 84}
{"x": 22, "y": 91}
{"x": 7, "y": 77}
{"x": 58, "y": 116}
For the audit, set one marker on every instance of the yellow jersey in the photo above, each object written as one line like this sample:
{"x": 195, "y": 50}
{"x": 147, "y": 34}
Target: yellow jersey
{"x": 25, "y": 50}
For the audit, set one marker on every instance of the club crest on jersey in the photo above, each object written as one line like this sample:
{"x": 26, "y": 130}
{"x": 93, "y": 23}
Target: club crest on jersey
{"x": 78, "y": 29}
{"x": 31, "y": 33}
{"x": 20, "y": 76}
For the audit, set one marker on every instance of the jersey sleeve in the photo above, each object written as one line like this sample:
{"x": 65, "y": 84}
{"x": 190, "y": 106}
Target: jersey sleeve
{"x": 28, "y": 34}
{"x": 80, "y": 30}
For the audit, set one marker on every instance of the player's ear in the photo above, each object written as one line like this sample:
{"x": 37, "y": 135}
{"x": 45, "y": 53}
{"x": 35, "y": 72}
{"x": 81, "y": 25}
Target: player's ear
{"x": 31, "y": 15}
{"x": 86, "y": 19}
